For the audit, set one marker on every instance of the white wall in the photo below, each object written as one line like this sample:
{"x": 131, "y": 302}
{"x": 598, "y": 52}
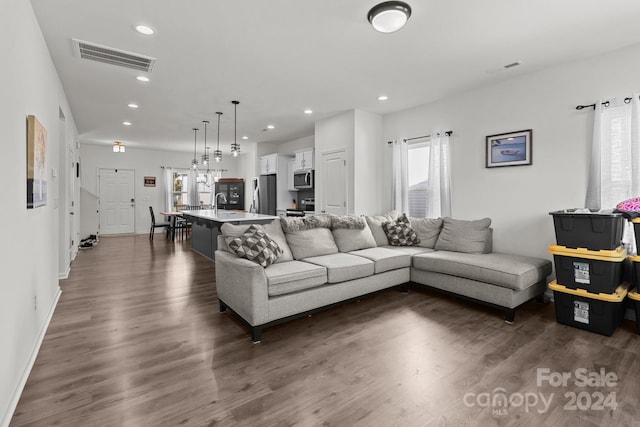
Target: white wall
{"x": 145, "y": 163}
{"x": 518, "y": 199}
{"x": 366, "y": 152}
{"x": 289, "y": 148}
{"x": 29, "y": 255}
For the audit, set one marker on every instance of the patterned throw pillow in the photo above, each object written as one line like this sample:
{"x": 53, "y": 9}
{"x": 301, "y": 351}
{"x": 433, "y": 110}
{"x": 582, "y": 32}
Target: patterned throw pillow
{"x": 255, "y": 245}
{"x": 400, "y": 233}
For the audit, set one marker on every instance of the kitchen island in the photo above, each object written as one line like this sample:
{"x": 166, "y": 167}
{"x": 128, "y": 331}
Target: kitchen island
{"x": 206, "y": 223}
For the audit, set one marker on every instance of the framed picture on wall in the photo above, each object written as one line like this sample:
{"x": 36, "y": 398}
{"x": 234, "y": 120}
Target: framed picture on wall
{"x": 36, "y": 163}
{"x": 509, "y": 149}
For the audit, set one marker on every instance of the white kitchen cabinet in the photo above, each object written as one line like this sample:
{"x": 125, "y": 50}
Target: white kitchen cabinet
{"x": 269, "y": 164}
{"x": 304, "y": 160}
{"x": 291, "y": 167}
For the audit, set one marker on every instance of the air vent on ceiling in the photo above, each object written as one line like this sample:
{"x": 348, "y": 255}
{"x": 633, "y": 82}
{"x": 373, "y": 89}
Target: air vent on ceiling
{"x": 109, "y": 55}
{"x": 513, "y": 64}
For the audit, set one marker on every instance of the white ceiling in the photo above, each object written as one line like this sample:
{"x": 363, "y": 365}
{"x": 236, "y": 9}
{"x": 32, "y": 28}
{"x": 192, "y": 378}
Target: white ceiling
{"x": 278, "y": 57}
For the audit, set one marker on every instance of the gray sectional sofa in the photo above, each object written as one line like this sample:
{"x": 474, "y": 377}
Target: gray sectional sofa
{"x": 327, "y": 260}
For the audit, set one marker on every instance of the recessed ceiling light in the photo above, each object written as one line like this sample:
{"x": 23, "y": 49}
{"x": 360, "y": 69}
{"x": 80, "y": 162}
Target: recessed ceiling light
{"x": 126, "y": 123}
{"x": 143, "y": 78}
{"x": 271, "y": 127}
{"x": 308, "y": 111}
{"x": 145, "y": 29}
{"x": 132, "y": 105}
{"x": 383, "y": 98}
{"x": 245, "y": 137}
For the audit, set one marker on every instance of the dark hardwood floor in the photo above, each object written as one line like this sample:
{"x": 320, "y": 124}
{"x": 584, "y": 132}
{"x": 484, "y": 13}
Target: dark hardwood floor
{"x": 137, "y": 340}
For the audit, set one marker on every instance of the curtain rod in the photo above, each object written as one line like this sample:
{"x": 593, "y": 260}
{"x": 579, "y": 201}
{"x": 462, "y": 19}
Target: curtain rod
{"x": 448, "y": 133}
{"x": 188, "y": 168}
{"x": 605, "y": 103}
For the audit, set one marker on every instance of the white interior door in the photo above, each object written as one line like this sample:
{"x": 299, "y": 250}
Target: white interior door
{"x": 334, "y": 183}
{"x": 117, "y": 201}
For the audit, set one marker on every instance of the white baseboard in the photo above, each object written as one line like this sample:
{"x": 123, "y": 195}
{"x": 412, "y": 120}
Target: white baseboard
{"x": 6, "y": 418}
{"x": 64, "y": 275}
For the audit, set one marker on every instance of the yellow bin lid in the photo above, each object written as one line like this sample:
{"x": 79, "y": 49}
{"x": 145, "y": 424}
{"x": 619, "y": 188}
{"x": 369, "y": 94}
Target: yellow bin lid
{"x": 616, "y": 255}
{"x": 634, "y": 258}
{"x": 636, "y": 220}
{"x": 634, "y": 295}
{"x": 617, "y": 296}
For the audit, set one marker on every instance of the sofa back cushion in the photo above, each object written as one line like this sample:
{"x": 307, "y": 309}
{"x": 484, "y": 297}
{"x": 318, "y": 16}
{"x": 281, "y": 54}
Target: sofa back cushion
{"x": 472, "y": 237}
{"x": 311, "y": 242}
{"x": 353, "y": 239}
{"x": 375, "y": 224}
{"x": 273, "y": 230}
{"x": 427, "y": 229}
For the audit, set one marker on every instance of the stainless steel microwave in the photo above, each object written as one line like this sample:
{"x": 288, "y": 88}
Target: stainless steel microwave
{"x": 302, "y": 180}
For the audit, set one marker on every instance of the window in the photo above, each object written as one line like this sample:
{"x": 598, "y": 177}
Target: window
{"x": 418, "y": 171}
{"x": 181, "y": 188}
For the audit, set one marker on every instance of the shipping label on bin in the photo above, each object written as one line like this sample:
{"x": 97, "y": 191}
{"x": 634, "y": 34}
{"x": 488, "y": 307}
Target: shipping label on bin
{"x": 581, "y": 273}
{"x": 581, "y": 312}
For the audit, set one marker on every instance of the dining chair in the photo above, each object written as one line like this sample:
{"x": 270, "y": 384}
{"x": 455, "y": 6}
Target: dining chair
{"x": 155, "y": 225}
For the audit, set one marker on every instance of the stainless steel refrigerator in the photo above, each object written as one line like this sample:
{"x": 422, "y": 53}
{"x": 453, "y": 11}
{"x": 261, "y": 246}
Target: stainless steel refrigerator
{"x": 267, "y": 194}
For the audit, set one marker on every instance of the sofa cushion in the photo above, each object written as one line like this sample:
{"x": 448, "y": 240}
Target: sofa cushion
{"x": 464, "y": 236}
{"x": 385, "y": 259}
{"x": 341, "y": 266}
{"x": 400, "y": 233}
{"x": 427, "y": 229}
{"x": 293, "y": 276}
{"x": 352, "y": 239}
{"x": 411, "y": 250}
{"x": 273, "y": 229}
{"x": 375, "y": 224}
{"x": 311, "y": 243}
{"x": 509, "y": 271}
{"x": 255, "y": 245}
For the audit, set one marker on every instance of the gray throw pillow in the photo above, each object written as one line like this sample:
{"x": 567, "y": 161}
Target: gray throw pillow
{"x": 273, "y": 229}
{"x": 352, "y": 239}
{"x": 347, "y": 222}
{"x": 427, "y": 229}
{"x": 400, "y": 233}
{"x": 309, "y": 243}
{"x": 465, "y": 236}
{"x": 255, "y": 245}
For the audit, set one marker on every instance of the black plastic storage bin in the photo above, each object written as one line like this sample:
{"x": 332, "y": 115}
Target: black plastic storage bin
{"x": 594, "y": 271}
{"x": 635, "y": 297}
{"x": 591, "y": 230}
{"x": 599, "y": 313}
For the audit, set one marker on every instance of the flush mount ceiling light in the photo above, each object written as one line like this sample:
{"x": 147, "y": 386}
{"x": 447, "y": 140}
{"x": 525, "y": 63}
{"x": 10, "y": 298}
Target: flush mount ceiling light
{"x": 270, "y": 127}
{"x": 143, "y": 78}
{"x": 235, "y": 147}
{"x": 132, "y": 105}
{"x": 217, "y": 154}
{"x": 126, "y": 123}
{"x": 118, "y": 147}
{"x": 245, "y": 137}
{"x": 145, "y": 29}
{"x": 389, "y": 16}
{"x": 308, "y": 111}
{"x": 383, "y": 98}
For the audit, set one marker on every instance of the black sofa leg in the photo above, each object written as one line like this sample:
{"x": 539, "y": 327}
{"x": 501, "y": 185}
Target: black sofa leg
{"x": 404, "y": 288}
{"x": 542, "y": 299}
{"x": 256, "y": 334}
{"x": 509, "y": 315}
{"x": 223, "y": 306}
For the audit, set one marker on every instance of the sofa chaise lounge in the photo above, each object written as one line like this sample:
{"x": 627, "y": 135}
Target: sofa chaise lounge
{"x": 326, "y": 260}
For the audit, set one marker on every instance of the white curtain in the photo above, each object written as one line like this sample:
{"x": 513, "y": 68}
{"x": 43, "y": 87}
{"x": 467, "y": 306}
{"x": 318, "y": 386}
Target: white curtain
{"x": 400, "y": 178}
{"x": 168, "y": 189}
{"x": 194, "y": 194}
{"x": 614, "y": 173}
{"x": 439, "y": 181}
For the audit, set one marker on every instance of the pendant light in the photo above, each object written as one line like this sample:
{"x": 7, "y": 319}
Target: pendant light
{"x": 389, "y": 16}
{"x": 235, "y": 147}
{"x": 205, "y": 155}
{"x": 217, "y": 154}
{"x": 194, "y": 162}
